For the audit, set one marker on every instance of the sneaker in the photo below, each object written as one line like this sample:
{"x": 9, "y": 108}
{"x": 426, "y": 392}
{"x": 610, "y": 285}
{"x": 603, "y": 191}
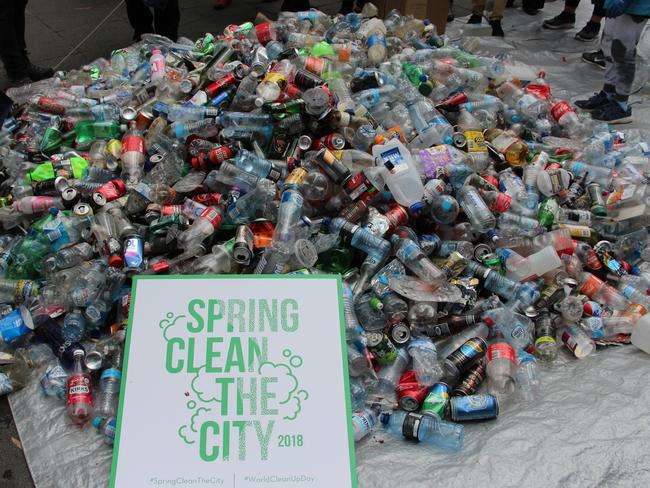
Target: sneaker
{"x": 589, "y": 32}
{"x": 614, "y": 114}
{"x": 564, "y": 20}
{"x": 530, "y": 10}
{"x": 510, "y": 4}
{"x": 475, "y": 19}
{"x": 18, "y": 80}
{"x": 597, "y": 58}
{"x": 450, "y": 13}
{"x": 497, "y": 30}
{"x": 596, "y": 102}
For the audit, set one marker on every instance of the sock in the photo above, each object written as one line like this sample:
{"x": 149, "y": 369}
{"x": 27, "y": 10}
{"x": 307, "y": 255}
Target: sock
{"x": 621, "y": 100}
{"x": 609, "y": 90}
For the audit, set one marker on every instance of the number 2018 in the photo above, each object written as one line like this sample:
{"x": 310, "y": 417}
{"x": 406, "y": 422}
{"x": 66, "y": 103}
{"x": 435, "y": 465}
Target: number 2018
{"x": 290, "y": 440}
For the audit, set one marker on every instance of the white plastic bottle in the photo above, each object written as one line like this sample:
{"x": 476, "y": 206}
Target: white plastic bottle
{"x": 401, "y": 174}
{"x": 158, "y": 65}
{"x": 641, "y": 334}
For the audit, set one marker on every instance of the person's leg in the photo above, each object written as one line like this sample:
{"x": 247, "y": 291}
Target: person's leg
{"x": 495, "y": 17}
{"x": 347, "y": 6}
{"x": 477, "y": 7}
{"x": 166, "y": 20}
{"x": 565, "y": 19}
{"x": 592, "y": 28}
{"x": 140, "y": 18}
{"x": 602, "y": 98}
{"x": 626, "y": 34}
{"x": 295, "y": 5}
{"x": 12, "y": 47}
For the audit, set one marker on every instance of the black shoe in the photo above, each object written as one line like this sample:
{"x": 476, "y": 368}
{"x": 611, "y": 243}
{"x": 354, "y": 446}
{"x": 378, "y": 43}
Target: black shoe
{"x": 596, "y": 102}
{"x": 564, "y": 20}
{"x": 589, "y": 32}
{"x": 530, "y": 10}
{"x": 38, "y": 73}
{"x": 597, "y": 58}
{"x": 497, "y": 30}
{"x": 450, "y": 14}
{"x": 18, "y": 80}
{"x": 475, "y": 19}
{"x": 510, "y": 3}
{"x": 614, "y": 114}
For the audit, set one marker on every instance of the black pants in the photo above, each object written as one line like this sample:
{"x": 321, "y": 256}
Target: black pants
{"x": 295, "y": 5}
{"x": 599, "y": 6}
{"x": 12, "y": 37}
{"x": 348, "y": 6}
{"x": 163, "y": 21}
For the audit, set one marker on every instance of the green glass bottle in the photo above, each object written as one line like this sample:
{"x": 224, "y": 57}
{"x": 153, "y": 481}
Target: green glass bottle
{"x": 547, "y": 212}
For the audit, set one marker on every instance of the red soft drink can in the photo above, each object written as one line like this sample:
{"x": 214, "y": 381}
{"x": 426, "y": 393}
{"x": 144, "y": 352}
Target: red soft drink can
{"x": 410, "y": 392}
{"x": 109, "y": 191}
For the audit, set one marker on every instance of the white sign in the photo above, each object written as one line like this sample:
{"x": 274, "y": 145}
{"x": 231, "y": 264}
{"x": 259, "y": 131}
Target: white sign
{"x": 235, "y": 381}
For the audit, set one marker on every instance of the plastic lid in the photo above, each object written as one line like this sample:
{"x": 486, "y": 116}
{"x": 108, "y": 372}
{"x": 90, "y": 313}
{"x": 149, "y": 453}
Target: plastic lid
{"x": 115, "y": 261}
{"x": 97, "y": 422}
{"x": 448, "y": 140}
{"x": 156, "y": 51}
{"x": 446, "y": 205}
{"x": 53, "y": 211}
{"x": 416, "y": 207}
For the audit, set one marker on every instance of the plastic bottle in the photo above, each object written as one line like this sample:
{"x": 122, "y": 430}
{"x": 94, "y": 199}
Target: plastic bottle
{"x": 400, "y": 174}
{"x": 79, "y": 392}
{"x": 109, "y": 389}
{"x": 501, "y": 368}
{"x": 426, "y": 429}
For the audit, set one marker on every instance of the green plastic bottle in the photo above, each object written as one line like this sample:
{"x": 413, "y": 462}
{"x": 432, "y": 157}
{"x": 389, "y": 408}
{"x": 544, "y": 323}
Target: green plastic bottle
{"x": 46, "y": 171}
{"x": 89, "y": 130}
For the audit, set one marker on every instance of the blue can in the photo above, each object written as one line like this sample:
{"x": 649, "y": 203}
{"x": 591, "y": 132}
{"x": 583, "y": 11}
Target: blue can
{"x": 134, "y": 252}
{"x": 15, "y": 324}
{"x": 474, "y": 407}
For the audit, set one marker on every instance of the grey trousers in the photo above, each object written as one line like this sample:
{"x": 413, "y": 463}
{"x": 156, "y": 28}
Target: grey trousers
{"x": 620, "y": 37}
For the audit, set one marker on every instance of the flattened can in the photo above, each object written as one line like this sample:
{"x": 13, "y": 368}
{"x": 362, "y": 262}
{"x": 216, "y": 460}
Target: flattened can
{"x": 435, "y": 404}
{"x": 474, "y": 407}
{"x": 382, "y": 347}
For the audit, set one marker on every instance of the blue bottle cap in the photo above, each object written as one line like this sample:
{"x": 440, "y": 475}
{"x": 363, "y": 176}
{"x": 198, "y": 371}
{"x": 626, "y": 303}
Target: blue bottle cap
{"x": 416, "y": 207}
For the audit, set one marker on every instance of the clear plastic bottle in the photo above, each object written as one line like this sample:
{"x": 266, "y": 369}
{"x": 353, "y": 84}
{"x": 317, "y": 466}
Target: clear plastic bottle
{"x": 109, "y": 389}
{"x": 106, "y": 427}
{"x": 527, "y": 376}
{"x": 133, "y": 157}
{"x": 501, "y": 368}
{"x": 475, "y": 208}
{"x": 425, "y": 360}
{"x": 74, "y": 326}
{"x": 577, "y": 341}
{"x": 158, "y": 65}
{"x": 426, "y": 429}
{"x": 203, "y": 227}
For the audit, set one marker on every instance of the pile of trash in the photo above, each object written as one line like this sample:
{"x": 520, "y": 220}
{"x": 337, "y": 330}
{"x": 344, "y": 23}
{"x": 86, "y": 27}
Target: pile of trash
{"x": 479, "y": 221}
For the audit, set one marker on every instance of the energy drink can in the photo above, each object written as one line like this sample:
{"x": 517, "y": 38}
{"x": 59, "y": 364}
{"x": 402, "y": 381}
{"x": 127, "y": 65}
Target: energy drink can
{"x": 380, "y": 345}
{"x": 242, "y": 250}
{"x": 435, "y": 404}
{"x": 472, "y": 380}
{"x": 410, "y": 392}
{"x": 465, "y": 356}
{"x": 474, "y": 407}
{"x": 134, "y": 252}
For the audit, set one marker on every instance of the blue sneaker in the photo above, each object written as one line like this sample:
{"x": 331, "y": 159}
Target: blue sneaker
{"x": 596, "y": 102}
{"x": 614, "y": 114}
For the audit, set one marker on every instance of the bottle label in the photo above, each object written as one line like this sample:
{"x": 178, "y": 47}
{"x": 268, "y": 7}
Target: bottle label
{"x": 376, "y": 40}
{"x": 213, "y": 216}
{"x": 591, "y": 286}
{"x": 471, "y": 349}
{"x": 501, "y": 350}
{"x": 79, "y": 390}
{"x": 132, "y": 143}
{"x": 363, "y": 422}
{"x": 544, "y": 340}
{"x": 315, "y": 65}
{"x": 12, "y": 326}
{"x": 263, "y": 33}
{"x": 560, "y": 109}
{"x": 394, "y": 156}
{"x": 475, "y": 141}
{"x": 569, "y": 341}
{"x": 503, "y": 142}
